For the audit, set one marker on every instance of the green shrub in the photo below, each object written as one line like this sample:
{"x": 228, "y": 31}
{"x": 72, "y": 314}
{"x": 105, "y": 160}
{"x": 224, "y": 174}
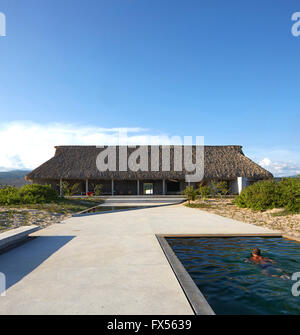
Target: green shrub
{"x": 203, "y": 191}
{"x": 9, "y": 195}
{"x": 268, "y": 194}
{"x": 222, "y": 187}
{"x": 27, "y": 194}
{"x": 213, "y": 188}
{"x": 66, "y": 190}
{"x": 198, "y": 205}
{"x": 74, "y": 189}
{"x": 289, "y": 189}
{"x": 37, "y": 194}
{"x": 259, "y": 196}
{"x": 218, "y": 188}
{"x": 190, "y": 193}
{"x": 97, "y": 189}
{"x": 69, "y": 188}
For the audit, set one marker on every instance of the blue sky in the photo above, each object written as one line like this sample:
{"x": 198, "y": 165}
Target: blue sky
{"x": 225, "y": 70}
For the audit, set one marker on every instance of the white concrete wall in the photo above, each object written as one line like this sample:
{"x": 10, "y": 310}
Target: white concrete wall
{"x": 242, "y": 183}
{"x": 238, "y": 185}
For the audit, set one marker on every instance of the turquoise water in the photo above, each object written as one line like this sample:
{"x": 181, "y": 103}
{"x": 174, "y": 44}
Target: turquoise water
{"x": 233, "y": 286}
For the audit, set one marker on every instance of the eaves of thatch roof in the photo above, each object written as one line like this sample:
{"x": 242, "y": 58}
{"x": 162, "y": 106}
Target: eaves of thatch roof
{"x": 79, "y": 162}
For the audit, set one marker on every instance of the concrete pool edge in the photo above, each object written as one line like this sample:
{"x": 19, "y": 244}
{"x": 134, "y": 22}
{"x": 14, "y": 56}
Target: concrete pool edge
{"x": 194, "y": 296}
{"x": 271, "y": 234}
{"x": 291, "y": 237}
{"x": 282, "y": 235}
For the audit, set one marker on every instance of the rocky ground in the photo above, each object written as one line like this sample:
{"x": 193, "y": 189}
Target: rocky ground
{"x": 16, "y": 217}
{"x": 276, "y": 218}
{"x": 42, "y": 215}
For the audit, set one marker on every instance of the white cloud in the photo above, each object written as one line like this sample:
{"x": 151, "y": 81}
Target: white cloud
{"x": 27, "y": 145}
{"x": 266, "y": 162}
{"x": 279, "y": 168}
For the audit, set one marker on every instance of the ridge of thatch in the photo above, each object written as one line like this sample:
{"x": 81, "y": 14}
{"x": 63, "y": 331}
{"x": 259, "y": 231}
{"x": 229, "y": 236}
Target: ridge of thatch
{"x": 79, "y": 162}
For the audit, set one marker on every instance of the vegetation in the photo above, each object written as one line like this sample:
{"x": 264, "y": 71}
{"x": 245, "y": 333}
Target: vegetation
{"x": 218, "y": 188}
{"x": 198, "y": 205}
{"x": 14, "y": 216}
{"x": 206, "y": 191}
{"x": 27, "y": 194}
{"x": 98, "y": 189}
{"x": 203, "y": 191}
{"x": 37, "y": 204}
{"x": 190, "y": 193}
{"x": 269, "y": 194}
{"x": 289, "y": 190}
{"x": 222, "y": 187}
{"x": 70, "y": 189}
{"x": 283, "y": 212}
{"x": 38, "y": 196}
{"x": 213, "y": 187}
{"x": 63, "y": 205}
{"x": 9, "y": 195}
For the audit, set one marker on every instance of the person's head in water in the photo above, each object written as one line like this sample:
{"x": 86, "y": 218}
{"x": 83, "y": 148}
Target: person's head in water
{"x": 256, "y": 252}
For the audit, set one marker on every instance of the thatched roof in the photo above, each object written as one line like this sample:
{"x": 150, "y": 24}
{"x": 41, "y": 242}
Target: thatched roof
{"x": 79, "y": 162}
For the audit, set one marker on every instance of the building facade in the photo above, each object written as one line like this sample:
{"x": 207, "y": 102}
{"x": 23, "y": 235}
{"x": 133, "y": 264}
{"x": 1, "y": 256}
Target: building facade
{"x": 158, "y": 174}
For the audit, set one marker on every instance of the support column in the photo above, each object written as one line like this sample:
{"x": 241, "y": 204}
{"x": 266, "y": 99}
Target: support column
{"x": 112, "y": 187}
{"x": 164, "y": 187}
{"x": 138, "y": 187}
{"x": 86, "y": 186}
{"x": 60, "y": 188}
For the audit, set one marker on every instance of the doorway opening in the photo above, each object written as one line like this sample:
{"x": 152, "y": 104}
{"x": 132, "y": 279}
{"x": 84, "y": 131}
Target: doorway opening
{"x": 147, "y": 188}
{"x": 173, "y": 187}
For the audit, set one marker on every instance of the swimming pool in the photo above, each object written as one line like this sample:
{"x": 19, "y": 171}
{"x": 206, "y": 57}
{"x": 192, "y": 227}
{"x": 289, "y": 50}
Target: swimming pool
{"x": 232, "y": 286}
{"x": 101, "y": 209}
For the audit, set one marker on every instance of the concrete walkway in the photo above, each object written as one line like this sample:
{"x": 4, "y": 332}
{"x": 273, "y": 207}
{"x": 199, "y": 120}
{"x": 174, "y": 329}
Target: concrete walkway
{"x": 108, "y": 263}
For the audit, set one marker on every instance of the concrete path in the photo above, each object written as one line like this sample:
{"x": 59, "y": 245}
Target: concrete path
{"x": 108, "y": 263}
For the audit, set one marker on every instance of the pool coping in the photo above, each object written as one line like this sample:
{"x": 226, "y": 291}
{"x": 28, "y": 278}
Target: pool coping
{"x": 291, "y": 237}
{"x": 193, "y": 294}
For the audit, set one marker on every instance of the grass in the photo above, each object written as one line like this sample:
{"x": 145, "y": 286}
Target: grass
{"x": 284, "y": 212}
{"x": 197, "y": 205}
{"x": 63, "y": 206}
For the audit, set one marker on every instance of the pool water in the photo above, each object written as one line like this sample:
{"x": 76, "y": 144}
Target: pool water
{"x": 233, "y": 286}
{"x": 100, "y": 209}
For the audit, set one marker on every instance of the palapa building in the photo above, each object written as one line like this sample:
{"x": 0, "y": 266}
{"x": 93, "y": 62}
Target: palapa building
{"x": 79, "y": 164}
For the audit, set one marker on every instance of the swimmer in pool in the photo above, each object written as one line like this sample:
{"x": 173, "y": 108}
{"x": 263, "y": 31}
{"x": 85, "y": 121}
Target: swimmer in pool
{"x": 266, "y": 264}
